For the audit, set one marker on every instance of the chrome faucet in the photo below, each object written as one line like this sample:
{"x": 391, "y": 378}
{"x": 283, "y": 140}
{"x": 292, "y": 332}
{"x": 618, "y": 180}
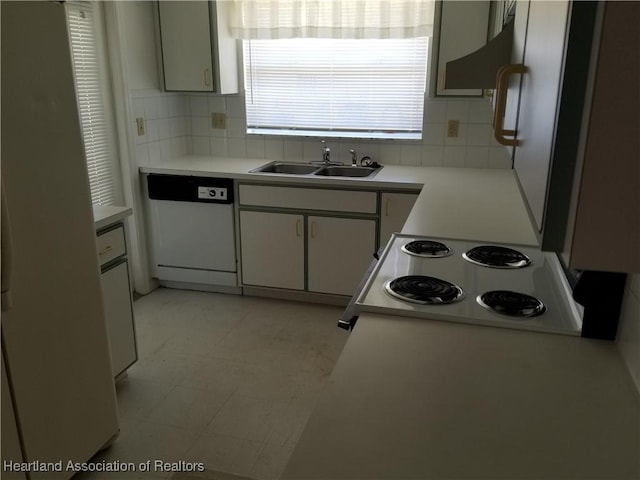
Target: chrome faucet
{"x": 354, "y": 158}
{"x": 326, "y": 154}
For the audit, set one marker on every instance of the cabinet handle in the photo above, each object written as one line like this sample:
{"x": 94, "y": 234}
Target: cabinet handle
{"x": 313, "y": 229}
{"x": 297, "y": 228}
{"x": 502, "y": 85}
{"x": 386, "y": 207}
{"x": 105, "y": 250}
{"x": 206, "y": 77}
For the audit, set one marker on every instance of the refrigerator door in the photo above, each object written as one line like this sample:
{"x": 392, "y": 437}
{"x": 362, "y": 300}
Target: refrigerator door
{"x": 54, "y": 334}
{"x": 10, "y": 442}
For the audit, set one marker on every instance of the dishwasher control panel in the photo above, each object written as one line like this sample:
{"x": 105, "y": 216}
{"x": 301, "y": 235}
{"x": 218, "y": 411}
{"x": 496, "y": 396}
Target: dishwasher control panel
{"x": 210, "y": 193}
{"x": 187, "y": 188}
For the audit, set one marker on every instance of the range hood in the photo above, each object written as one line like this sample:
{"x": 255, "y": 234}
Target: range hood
{"x": 479, "y": 69}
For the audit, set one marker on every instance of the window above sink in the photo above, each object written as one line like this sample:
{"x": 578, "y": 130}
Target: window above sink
{"x": 324, "y": 87}
{"x": 350, "y": 69}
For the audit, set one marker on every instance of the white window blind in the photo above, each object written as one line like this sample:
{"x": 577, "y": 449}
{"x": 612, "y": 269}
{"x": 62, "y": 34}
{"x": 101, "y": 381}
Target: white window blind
{"x": 94, "y": 115}
{"x": 336, "y": 88}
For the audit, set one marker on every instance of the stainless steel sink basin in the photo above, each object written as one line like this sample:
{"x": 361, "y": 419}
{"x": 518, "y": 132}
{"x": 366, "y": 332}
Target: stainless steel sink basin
{"x": 321, "y": 170}
{"x": 347, "y": 171}
{"x": 288, "y": 168}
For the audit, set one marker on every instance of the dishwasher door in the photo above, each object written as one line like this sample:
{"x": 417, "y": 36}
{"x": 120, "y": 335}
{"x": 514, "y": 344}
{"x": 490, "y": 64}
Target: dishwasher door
{"x": 192, "y": 226}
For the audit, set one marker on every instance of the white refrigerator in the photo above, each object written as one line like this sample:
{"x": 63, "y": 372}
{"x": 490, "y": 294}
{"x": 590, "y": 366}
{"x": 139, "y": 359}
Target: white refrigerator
{"x": 58, "y": 395}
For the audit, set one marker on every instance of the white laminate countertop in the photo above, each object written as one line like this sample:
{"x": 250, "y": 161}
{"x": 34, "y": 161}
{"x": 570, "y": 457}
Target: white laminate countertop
{"x": 422, "y": 399}
{"x": 104, "y": 216}
{"x": 464, "y": 203}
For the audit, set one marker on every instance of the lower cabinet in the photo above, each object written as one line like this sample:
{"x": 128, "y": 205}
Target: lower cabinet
{"x": 394, "y": 210}
{"x": 272, "y": 246}
{"x": 339, "y": 252}
{"x": 116, "y": 294}
{"x": 318, "y": 240}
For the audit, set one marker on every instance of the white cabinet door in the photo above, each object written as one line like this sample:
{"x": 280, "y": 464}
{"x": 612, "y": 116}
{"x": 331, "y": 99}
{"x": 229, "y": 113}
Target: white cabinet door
{"x": 185, "y": 35}
{"x": 272, "y": 247}
{"x": 394, "y": 210}
{"x": 119, "y": 317}
{"x": 544, "y": 58}
{"x": 339, "y": 252}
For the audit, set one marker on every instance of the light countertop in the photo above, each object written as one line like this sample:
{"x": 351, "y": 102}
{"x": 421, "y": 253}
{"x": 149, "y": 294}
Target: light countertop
{"x": 103, "y": 216}
{"x": 422, "y": 399}
{"x": 465, "y": 203}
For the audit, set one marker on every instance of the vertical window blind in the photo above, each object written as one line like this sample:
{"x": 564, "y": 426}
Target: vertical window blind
{"x": 371, "y": 88}
{"x": 97, "y": 131}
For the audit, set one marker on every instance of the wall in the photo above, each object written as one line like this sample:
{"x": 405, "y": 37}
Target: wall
{"x": 185, "y": 127}
{"x": 167, "y": 126}
{"x": 628, "y": 339}
{"x": 179, "y": 124}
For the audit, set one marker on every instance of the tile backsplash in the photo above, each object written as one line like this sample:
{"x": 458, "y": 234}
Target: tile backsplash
{"x": 180, "y": 124}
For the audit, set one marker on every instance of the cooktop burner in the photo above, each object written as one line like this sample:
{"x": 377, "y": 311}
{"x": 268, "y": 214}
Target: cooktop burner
{"x": 496, "y": 257}
{"x": 511, "y": 303}
{"x": 426, "y": 248}
{"x": 423, "y": 290}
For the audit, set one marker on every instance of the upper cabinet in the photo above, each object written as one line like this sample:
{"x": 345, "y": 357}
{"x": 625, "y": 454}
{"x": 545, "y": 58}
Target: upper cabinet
{"x": 544, "y": 33}
{"x": 572, "y": 109}
{"x": 462, "y": 28}
{"x": 197, "y": 52}
{"x": 603, "y": 231}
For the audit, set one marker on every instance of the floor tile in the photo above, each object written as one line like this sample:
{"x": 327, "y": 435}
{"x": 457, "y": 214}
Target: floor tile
{"x": 188, "y": 408}
{"x": 226, "y": 453}
{"x": 138, "y": 396}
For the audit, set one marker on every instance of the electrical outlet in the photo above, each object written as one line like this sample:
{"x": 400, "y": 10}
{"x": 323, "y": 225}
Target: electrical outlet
{"x": 219, "y": 120}
{"x": 140, "y": 125}
{"x": 453, "y": 126}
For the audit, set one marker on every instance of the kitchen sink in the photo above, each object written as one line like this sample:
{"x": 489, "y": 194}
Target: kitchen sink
{"x": 347, "y": 171}
{"x": 288, "y": 168}
{"x": 320, "y": 170}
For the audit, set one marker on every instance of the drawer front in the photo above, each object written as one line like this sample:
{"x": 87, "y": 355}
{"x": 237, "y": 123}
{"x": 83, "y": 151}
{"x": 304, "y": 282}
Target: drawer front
{"x": 111, "y": 245}
{"x": 308, "y": 198}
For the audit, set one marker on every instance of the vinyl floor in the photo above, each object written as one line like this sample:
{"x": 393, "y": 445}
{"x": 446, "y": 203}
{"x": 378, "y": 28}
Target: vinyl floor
{"x": 226, "y": 380}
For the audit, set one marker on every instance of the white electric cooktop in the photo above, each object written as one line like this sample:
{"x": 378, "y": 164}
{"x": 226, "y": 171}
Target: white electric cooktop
{"x": 542, "y": 278}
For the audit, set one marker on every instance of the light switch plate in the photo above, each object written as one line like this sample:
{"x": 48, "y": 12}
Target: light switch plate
{"x": 140, "y": 126}
{"x": 218, "y": 121}
{"x": 453, "y": 127}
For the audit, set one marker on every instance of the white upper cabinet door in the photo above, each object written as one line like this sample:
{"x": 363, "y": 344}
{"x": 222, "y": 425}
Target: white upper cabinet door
{"x": 394, "y": 210}
{"x": 541, "y": 84}
{"x": 272, "y": 247}
{"x": 185, "y": 32}
{"x": 339, "y": 252}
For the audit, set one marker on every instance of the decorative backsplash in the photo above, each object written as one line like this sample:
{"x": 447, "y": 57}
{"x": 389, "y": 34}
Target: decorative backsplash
{"x": 179, "y": 124}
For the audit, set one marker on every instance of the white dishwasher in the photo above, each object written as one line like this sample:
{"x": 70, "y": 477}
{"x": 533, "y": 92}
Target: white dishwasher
{"x": 193, "y": 232}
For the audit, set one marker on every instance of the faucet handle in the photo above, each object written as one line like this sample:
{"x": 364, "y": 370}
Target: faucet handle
{"x": 354, "y": 157}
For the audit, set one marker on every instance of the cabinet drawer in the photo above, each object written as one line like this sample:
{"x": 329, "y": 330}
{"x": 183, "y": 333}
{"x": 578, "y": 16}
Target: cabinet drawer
{"x": 111, "y": 245}
{"x": 308, "y": 198}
